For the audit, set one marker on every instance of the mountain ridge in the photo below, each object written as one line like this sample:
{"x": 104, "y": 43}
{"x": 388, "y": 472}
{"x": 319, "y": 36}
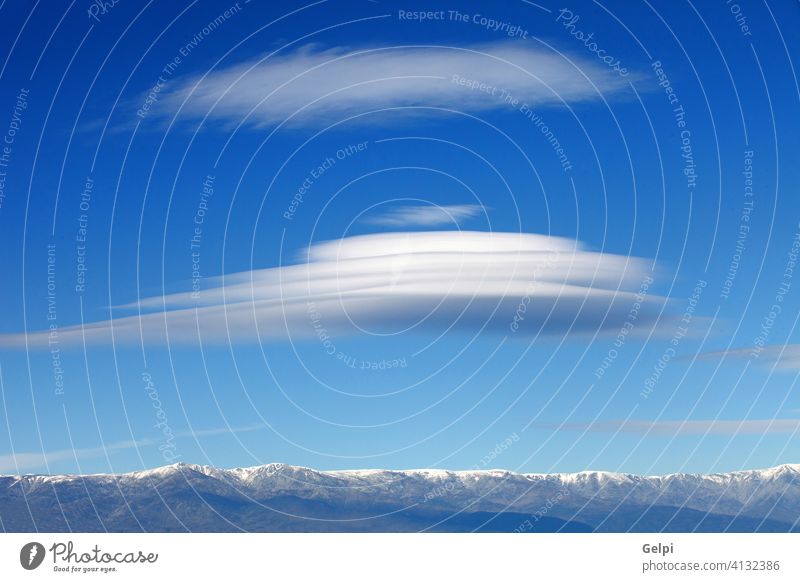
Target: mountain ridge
{"x": 280, "y": 497}
{"x": 794, "y": 467}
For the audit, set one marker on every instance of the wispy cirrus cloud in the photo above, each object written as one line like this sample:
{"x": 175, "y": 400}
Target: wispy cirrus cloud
{"x": 456, "y": 281}
{"x": 427, "y": 215}
{"x": 687, "y": 427}
{"x": 314, "y": 84}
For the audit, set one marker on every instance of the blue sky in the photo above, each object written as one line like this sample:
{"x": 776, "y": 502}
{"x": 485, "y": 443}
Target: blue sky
{"x": 633, "y": 189}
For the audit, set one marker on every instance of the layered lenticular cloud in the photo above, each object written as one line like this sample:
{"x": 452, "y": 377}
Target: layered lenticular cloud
{"x": 392, "y": 283}
{"x": 311, "y": 84}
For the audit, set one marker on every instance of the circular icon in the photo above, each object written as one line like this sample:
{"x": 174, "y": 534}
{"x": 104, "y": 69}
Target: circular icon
{"x": 31, "y": 555}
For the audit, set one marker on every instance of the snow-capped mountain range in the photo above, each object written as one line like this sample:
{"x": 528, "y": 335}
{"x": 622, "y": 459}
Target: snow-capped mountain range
{"x": 279, "y": 497}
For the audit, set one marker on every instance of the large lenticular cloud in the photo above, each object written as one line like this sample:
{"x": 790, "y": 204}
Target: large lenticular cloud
{"x": 311, "y": 85}
{"x": 391, "y": 283}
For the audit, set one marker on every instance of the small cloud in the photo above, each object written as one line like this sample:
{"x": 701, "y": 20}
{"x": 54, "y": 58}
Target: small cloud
{"x": 428, "y": 216}
{"x": 783, "y": 357}
{"x": 686, "y": 427}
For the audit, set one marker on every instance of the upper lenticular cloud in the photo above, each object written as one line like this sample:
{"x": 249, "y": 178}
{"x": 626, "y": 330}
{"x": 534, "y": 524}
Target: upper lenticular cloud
{"x": 312, "y": 85}
{"x": 469, "y": 282}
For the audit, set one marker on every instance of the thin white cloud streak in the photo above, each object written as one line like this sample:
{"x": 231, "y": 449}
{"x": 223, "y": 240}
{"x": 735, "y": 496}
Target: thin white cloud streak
{"x": 389, "y": 282}
{"x": 428, "y": 215}
{"x": 313, "y": 84}
{"x": 783, "y": 357}
{"x": 688, "y": 427}
{"x": 29, "y": 460}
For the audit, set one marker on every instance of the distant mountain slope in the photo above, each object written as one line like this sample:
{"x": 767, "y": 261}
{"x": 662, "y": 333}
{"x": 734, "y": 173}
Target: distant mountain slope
{"x": 279, "y": 497}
